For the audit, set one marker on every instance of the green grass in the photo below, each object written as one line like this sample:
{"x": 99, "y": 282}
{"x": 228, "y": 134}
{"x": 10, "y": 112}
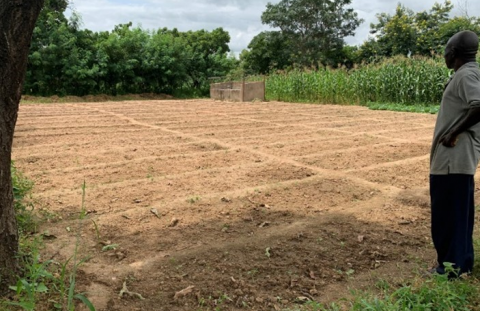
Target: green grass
{"x": 405, "y": 108}
{"x": 434, "y": 293}
{"x": 24, "y": 207}
{"x": 44, "y": 283}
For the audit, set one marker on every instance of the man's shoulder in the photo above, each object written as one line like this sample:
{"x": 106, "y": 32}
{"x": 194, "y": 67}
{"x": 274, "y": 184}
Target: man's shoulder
{"x": 468, "y": 70}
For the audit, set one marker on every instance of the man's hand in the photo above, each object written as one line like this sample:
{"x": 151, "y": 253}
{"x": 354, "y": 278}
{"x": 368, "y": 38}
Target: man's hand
{"x": 449, "y": 140}
{"x": 471, "y": 118}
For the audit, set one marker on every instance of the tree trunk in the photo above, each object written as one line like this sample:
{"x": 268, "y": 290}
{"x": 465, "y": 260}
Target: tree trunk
{"x": 17, "y": 20}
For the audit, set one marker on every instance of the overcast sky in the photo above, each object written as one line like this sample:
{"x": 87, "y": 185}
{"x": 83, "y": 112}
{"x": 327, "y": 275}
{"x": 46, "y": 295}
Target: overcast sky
{"x": 241, "y": 18}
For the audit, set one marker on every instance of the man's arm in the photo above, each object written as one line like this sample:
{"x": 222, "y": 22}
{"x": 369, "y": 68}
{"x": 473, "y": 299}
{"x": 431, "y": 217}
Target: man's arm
{"x": 471, "y": 118}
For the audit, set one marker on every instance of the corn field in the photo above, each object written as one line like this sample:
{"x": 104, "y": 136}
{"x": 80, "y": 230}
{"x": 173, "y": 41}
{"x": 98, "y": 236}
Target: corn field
{"x": 406, "y": 81}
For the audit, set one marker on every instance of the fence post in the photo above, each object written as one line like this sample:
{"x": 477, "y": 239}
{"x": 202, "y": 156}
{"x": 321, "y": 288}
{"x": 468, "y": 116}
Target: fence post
{"x": 264, "y": 91}
{"x": 243, "y": 89}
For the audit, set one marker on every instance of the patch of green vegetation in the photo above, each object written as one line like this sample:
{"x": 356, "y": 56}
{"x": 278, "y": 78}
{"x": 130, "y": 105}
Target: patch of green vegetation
{"x": 24, "y": 207}
{"x": 40, "y": 283}
{"x": 435, "y": 292}
{"x": 404, "y": 108}
{"x": 217, "y": 303}
{"x": 188, "y": 93}
{"x": 409, "y": 81}
{"x": 194, "y": 199}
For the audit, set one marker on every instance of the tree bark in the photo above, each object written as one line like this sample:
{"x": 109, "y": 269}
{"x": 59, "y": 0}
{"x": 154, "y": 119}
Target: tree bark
{"x": 17, "y": 20}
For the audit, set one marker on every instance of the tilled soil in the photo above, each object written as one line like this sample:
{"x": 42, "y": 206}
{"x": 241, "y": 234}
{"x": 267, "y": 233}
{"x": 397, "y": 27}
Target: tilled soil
{"x": 255, "y": 206}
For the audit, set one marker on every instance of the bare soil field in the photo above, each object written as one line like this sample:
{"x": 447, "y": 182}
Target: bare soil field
{"x": 243, "y": 206}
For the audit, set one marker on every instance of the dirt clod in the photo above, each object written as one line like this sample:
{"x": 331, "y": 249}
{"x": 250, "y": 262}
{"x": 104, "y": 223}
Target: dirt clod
{"x": 174, "y": 222}
{"x": 184, "y": 292}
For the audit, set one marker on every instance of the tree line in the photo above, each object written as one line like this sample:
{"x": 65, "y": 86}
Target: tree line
{"x": 309, "y": 39}
{"x": 67, "y": 60}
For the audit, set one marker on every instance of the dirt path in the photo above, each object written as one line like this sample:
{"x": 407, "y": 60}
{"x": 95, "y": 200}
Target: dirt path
{"x": 254, "y": 205}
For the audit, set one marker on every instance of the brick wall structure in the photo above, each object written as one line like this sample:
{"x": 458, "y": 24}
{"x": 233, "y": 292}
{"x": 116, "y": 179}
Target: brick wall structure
{"x": 238, "y": 91}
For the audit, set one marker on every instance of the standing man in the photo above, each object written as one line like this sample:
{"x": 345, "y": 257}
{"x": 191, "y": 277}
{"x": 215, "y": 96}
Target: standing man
{"x": 454, "y": 156}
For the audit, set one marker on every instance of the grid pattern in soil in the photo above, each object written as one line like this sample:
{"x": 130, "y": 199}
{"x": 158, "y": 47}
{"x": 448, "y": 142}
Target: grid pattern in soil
{"x": 254, "y": 201}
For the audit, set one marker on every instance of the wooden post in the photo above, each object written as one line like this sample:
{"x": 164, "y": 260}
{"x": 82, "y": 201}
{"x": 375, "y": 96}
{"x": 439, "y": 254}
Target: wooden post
{"x": 264, "y": 91}
{"x": 243, "y": 89}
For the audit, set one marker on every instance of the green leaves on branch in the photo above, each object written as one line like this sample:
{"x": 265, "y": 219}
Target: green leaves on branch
{"x": 65, "y": 60}
{"x": 409, "y": 33}
{"x": 311, "y": 33}
{"x": 269, "y": 50}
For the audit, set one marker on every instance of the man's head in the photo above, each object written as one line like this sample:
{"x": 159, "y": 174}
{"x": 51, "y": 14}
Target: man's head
{"x": 461, "y": 48}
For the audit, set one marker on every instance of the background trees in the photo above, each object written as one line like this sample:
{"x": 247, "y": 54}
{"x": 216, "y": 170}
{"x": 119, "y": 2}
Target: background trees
{"x": 409, "y": 33}
{"x": 206, "y": 56}
{"x": 60, "y": 60}
{"x": 66, "y": 60}
{"x": 315, "y": 28}
{"x": 316, "y": 31}
{"x": 269, "y": 50}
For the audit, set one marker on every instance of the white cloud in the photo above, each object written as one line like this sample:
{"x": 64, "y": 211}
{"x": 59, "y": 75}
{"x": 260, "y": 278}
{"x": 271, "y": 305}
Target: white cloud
{"x": 241, "y": 18}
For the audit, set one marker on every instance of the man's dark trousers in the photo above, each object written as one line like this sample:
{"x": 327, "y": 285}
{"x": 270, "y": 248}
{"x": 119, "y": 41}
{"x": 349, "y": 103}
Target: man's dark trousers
{"x": 452, "y": 202}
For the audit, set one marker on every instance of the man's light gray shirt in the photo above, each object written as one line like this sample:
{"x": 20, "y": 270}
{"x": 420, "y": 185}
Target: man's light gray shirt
{"x": 461, "y": 94}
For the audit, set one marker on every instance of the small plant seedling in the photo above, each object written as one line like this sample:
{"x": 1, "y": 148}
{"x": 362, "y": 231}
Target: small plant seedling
{"x": 109, "y": 247}
{"x": 252, "y": 272}
{"x": 193, "y": 200}
{"x": 97, "y": 231}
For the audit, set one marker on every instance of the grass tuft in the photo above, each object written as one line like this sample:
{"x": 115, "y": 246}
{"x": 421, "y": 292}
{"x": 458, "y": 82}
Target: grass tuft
{"x": 403, "y": 108}
{"x": 43, "y": 284}
{"x": 433, "y": 293}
